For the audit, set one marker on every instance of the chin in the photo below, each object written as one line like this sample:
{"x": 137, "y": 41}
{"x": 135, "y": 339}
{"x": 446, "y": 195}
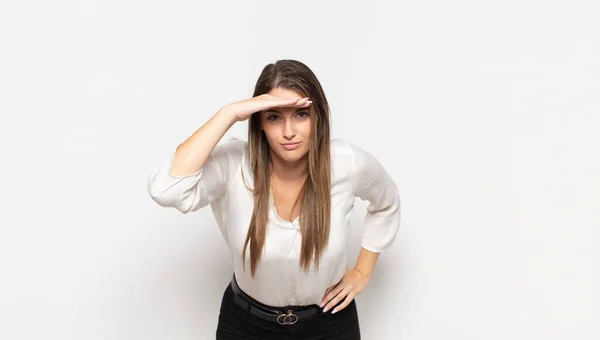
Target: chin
{"x": 292, "y": 156}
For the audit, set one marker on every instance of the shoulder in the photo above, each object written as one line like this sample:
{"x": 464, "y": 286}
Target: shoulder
{"x": 228, "y": 155}
{"x": 340, "y": 148}
{"x": 233, "y": 144}
{"x": 343, "y": 162}
{"x": 344, "y": 151}
{"x": 354, "y": 158}
{"x": 231, "y": 147}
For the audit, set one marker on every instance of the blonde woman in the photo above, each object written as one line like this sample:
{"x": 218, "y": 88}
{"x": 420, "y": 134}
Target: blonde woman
{"x": 283, "y": 201}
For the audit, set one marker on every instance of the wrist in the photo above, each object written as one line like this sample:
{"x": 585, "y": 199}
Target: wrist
{"x": 363, "y": 273}
{"x": 228, "y": 113}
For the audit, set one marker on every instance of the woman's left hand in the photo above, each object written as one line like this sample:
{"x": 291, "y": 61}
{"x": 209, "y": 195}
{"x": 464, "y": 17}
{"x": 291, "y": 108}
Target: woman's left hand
{"x": 352, "y": 284}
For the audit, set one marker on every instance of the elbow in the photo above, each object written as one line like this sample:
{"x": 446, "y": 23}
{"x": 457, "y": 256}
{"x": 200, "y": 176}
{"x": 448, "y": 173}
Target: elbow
{"x": 160, "y": 195}
{"x": 390, "y": 207}
{"x": 168, "y": 195}
{"x": 382, "y": 226}
{"x": 393, "y": 209}
{"x": 168, "y": 200}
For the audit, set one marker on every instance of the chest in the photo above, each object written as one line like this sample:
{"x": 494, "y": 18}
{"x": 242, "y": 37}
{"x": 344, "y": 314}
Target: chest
{"x": 286, "y": 199}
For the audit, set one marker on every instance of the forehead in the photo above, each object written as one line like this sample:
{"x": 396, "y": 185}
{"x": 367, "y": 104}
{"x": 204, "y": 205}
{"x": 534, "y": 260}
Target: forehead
{"x": 285, "y": 93}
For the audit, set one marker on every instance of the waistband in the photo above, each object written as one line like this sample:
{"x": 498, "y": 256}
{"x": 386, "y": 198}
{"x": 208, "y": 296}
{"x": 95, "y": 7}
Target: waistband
{"x": 282, "y": 315}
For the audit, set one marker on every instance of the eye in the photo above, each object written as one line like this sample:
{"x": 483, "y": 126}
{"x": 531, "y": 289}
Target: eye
{"x": 272, "y": 117}
{"x": 303, "y": 114}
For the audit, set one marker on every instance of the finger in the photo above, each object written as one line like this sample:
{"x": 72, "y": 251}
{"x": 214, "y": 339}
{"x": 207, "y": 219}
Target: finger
{"x": 290, "y": 102}
{"x": 333, "y": 302}
{"x": 277, "y": 100}
{"x": 331, "y": 287}
{"x": 337, "y": 299}
{"x": 332, "y": 294}
{"x": 307, "y": 104}
{"x": 300, "y": 100}
{"x": 344, "y": 304}
{"x": 328, "y": 290}
{"x": 325, "y": 298}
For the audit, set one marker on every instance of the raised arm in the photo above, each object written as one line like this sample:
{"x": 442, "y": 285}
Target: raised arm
{"x": 199, "y": 169}
{"x": 190, "y": 155}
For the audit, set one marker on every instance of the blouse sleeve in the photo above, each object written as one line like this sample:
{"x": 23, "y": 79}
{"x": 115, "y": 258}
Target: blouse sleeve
{"x": 194, "y": 191}
{"x": 374, "y": 184}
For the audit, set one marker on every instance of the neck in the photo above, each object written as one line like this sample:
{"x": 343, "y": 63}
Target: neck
{"x": 289, "y": 171}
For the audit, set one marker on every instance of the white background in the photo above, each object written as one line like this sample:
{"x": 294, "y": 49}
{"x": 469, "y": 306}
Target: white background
{"x": 485, "y": 113}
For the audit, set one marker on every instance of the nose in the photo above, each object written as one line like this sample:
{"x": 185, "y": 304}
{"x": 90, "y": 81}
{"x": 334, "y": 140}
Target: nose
{"x": 289, "y": 129}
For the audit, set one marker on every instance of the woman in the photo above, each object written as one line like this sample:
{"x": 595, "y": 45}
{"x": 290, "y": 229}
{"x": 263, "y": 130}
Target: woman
{"x": 283, "y": 201}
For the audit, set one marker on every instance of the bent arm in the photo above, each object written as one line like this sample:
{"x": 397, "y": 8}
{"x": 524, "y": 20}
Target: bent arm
{"x": 375, "y": 185}
{"x": 191, "y": 155}
{"x": 199, "y": 169}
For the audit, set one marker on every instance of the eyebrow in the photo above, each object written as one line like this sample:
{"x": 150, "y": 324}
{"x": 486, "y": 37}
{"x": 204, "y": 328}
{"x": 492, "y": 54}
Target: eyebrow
{"x": 277, "y": 111}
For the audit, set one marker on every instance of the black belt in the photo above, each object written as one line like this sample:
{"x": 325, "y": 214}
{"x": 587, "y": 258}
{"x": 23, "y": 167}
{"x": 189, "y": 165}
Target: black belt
{"x": 281, "y": 315}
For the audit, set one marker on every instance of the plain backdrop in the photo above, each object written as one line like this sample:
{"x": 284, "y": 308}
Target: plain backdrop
{"x": 485, "y": 113}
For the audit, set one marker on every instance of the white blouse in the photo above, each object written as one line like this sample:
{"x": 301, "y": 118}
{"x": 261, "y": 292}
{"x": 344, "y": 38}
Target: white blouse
{"x": 279, "y": 280}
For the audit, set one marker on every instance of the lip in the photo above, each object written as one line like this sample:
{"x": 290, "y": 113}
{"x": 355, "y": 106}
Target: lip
{"x": 291, "y": 146}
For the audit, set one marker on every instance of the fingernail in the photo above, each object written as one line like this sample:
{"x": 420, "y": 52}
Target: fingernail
{"x": 335, "y": 310}
{"x": 322, "y": 304}
{"x": 325, "y": 310}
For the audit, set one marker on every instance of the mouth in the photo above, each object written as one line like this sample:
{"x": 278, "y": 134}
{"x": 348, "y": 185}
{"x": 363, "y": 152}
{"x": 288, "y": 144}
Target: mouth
{"x": 291, "y": 146}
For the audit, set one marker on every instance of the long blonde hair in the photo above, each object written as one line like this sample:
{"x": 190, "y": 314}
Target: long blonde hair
{"x": 315, "y": 195}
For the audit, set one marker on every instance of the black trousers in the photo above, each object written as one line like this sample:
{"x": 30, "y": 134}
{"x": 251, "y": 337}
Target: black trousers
{"x": 237, "y": 323}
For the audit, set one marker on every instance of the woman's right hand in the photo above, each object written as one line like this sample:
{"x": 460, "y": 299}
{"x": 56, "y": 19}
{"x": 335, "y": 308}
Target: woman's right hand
{"x": 243, "y": 109}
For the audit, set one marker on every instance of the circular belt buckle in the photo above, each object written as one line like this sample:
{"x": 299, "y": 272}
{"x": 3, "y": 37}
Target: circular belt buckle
{"x": 287, "y": 319}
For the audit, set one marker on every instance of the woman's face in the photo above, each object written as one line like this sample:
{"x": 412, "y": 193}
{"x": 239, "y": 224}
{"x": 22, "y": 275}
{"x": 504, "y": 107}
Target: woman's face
{"x": 287, "y": 129}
